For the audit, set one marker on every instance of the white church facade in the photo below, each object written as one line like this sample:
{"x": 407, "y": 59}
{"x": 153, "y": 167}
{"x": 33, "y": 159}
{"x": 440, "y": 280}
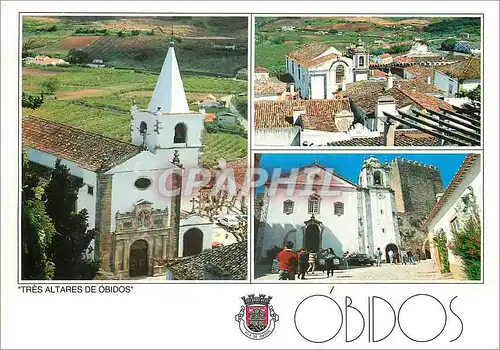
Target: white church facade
{"x": 319, "y": 71}
{"x": 138, "y": 223}
{"x": 332, "y": 213}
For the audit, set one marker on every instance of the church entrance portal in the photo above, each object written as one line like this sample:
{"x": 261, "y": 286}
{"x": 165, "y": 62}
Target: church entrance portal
{"x": 312, "y": 238}
{"x": 394, "y": 249}
{"x": 193, "y": 242}
{"x": 139, "y": 258}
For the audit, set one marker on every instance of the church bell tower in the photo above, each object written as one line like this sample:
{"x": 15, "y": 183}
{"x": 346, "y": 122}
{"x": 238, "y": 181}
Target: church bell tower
{"x": 361, "y": 62}
{"x": 167, "y": 125}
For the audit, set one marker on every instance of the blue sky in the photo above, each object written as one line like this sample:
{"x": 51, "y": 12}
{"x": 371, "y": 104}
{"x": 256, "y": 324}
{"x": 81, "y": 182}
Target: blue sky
{"x": 348, "y": 165}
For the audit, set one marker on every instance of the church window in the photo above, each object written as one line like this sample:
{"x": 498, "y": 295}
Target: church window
{"x": 90, "y": 190}
{"x": 288, "y": 207}
{"x": 383, "y": 230}
{"x": 143, "y": 127}
{"x": 142, "y": 183}
{"x": 362, "y": 61}
{"x": 339, "y": 73}
{"x": 377, "y": 178}
{"x": 180, "y": 133}
{"x": 313, "y": 205}
{"x": 338, "y": 208}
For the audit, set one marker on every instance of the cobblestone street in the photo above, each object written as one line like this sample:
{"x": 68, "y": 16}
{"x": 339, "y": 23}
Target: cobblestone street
{"x": 423, "y": 271}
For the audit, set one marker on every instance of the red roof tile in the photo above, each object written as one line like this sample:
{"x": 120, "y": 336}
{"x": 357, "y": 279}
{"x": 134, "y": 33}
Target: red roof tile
{"x": 90, "y": 151}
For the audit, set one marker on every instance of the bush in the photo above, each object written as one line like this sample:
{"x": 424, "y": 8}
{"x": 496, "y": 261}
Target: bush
{"x": 76, "y": 56}
{"x": 474, "y": 95}
{"x": 441, "y": 242}
{"x": 135, "y": 32}
{"x": 120, "y": 34}
{"x": 448, "y": 45}
{"x": 467, "y": 240}
{"x": 50, "y": 86}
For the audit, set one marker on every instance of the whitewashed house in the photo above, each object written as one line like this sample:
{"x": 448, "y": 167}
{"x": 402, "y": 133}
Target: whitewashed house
{"x": 328, "y": 211}
{"x": 319, "y": 71}
{"x": 125, "y": 185}
{"x": 447, "y": 214}
{"x": 464, "y": 75}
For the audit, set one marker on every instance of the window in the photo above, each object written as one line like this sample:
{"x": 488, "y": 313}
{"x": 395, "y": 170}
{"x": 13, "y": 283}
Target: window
{"x": 381, "y": 211}
{"x": 293, "y": 68}
{"x": 143, "y": 127}
{"x": 339, "y": 73}
{"x": 180, "y": 133}
{"x": 362, "y": 61}
{"x": 298, "y": 69}
{"x": 451, "y": 86}
{"x": 90, "y": 190}
{"x": 313, "y": 205}
{"x": 338, "y": 208}
{"x": 455, "y": 225}
{"x": 142, "y": 183}
{"x": 383, "y": 230}
{"x": 377, "y": 178}
{"x": 288, "y": 207}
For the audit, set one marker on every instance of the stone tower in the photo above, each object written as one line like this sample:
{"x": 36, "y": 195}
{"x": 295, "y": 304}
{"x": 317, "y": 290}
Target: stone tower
{"x": 416, "y": 188}
{"x": 167, "y": 125}
{"x": 378, "y": 226}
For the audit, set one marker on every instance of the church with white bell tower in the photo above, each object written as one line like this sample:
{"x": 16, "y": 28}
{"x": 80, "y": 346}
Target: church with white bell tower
{"x": 167, "y": 125}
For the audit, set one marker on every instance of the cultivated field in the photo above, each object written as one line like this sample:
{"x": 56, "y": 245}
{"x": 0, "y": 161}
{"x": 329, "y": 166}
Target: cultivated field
{"x": 99, "y": 100}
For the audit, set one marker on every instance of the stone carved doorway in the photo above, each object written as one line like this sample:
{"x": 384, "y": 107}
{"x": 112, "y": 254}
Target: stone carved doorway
{"x": 139, "y": 259}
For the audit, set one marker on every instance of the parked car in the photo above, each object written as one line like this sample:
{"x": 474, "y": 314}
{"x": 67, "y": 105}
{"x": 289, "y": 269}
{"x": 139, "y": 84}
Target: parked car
{"x": 228, "y": 221}
{"x": 359, "y": 259}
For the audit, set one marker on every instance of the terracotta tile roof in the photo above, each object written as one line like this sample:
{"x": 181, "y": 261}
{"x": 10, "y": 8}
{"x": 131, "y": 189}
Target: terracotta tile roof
{"x": 306, "y": 55}
{"x": 469, "y": 69}
{"x": 230, "y": 259}
{"x": 239, "y": 168}
{"x": 378, "y": 73}
{"x": 403, "y": 59}
{"x": 279, "y": 114}
{"x": 366, "y": 93}
{"x": 209, "y": 117}
{"x": 269, "y": 86}
{"x": 90, "y": 151}
{"x": 427, "y": 101}
{"x": 402, "y": 138}
{"x": 420, "y": 71}
{"x": 260, "y": 69}
{"x": 384, "y": 55}
{"x": 455, "y": 182}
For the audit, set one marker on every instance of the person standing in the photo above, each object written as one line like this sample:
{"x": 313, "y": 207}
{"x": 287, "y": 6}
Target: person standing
{"x": 391, "y": 256}
{"x": 404, "y": 257}
{"x": 287, "y": 261}
{"x": 379, "y": 257}
{"x": 312, "y": 262}
{"x": 303, "y": 264}
{"x": 330, "y": 255}
{"x": 410, "y": 257}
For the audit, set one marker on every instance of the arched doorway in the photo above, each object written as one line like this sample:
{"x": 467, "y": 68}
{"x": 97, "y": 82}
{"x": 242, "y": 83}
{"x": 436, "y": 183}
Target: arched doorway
{"x": 427, "y": 250}
{"x": 394, "y": 248}
{"x": 312, "y": 239}
{"x": 138, "y": 265}
{"x": 193, "y": 242}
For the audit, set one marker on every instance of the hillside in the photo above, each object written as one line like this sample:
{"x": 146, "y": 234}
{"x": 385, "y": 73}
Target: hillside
{"x": 143, "y": 42}
{"x": 274, "y": 37}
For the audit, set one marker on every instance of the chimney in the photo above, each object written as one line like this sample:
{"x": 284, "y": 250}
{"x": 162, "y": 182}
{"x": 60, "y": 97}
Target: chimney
{"x": 389, "y": 82}
{"x": 297, "y": 112}
{"x": 385, "y": 103}
{"x": 292, "y": 88}
{"x": 429, "y": 80}
{"x": 389, "y": 133}
{"x": 343, "y": 85}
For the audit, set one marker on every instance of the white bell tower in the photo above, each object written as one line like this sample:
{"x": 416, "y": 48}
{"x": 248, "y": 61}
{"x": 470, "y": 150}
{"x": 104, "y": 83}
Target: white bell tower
{"x": 167, "y": 124}
{"x": 360, "y": 61}
{"x": 378, "y": 206}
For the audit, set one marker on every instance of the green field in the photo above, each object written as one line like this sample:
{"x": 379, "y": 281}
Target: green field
{"x": 99, "y": 100}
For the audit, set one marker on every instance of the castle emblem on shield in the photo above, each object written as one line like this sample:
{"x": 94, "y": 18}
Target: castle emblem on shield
{"x": 256, "y": 317}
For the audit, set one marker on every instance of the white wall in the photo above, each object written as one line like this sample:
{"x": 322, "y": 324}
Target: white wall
{"x": 322, "y": 137}
{"x": 469, "y": 84}
{"x": 382, "y": 220}
{"x": 273, "y": 97}
{"x": 449, "y": 210}
{"x": 276, "y": 136}
{"x": 195, "y": 221}
{"x": 442, "y": 82}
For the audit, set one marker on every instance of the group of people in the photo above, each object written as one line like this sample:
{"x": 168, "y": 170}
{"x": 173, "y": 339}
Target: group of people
{"x": 406, "y": 257}
{"x": 291, "y": 263}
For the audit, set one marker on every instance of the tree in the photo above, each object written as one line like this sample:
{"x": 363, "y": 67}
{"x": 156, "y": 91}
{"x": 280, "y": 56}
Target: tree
{"x": 135, "y": 32}
{"x": 448, "y": 44}
{"x": 120, "y": 34}
{"x": 76, "y": 56}
{"x": 72, "y": 238}
{"x": 50, "y": 86}
{"x": 333, "y": 31}
{"x": 37, "y": 230}
{"x": 474, "y": 94}
{"x": 31, "y": 102}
